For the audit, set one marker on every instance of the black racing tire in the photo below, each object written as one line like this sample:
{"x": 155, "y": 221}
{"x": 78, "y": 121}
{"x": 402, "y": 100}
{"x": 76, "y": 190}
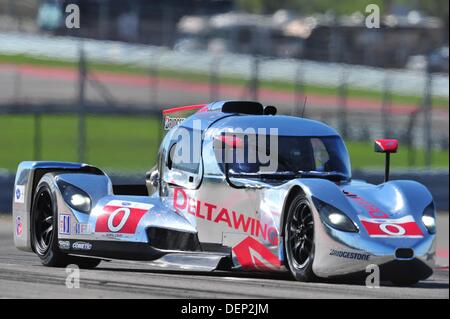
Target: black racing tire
{"x": 44, "y": 232}
{"x": 299, "y": 242}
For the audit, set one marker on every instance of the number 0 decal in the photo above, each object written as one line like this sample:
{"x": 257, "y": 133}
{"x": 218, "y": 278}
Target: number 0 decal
{"x": 402, "y": 227}
{"x": 393, "y": 229}
{"x": 121, "y": 217}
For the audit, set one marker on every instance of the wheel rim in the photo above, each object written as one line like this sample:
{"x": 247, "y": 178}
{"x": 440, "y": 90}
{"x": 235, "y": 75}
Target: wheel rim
{"x": 43, "y": 227}
{"x": 301, "y": 235}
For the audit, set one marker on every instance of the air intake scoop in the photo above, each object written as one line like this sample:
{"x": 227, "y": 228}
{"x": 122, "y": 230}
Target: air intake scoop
{"x": 243, "y": 107}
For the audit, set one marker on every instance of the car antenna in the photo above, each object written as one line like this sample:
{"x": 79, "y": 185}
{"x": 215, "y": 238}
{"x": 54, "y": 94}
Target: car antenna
{"x": 304, "y": 106}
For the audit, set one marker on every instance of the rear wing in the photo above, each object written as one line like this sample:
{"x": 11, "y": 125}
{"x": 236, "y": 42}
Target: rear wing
{"x": 174, "y": 116}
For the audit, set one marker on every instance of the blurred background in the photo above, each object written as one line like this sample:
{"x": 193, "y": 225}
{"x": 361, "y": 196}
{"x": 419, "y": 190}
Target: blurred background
{"x": 95, "y": 94}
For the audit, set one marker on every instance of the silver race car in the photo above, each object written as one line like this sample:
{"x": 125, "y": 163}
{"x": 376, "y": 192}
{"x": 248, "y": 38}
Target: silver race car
{"x": 235, "y": 187}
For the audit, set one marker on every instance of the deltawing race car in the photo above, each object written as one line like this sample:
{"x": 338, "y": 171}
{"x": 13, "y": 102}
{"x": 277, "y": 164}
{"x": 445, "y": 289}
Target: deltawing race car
{"x": 235, "y": 187}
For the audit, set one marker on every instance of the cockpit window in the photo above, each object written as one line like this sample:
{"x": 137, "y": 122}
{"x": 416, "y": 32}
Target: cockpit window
{"x": 321, "y": 156}
{"x": 183, "y": 153}
{"x": 324, "y": 155}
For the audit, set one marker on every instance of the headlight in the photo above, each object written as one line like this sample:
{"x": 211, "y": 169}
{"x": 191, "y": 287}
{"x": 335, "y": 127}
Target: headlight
{"x": 75, "y": 197}
{"x": 334, "y": 218}
{"x": 429, "y": 218}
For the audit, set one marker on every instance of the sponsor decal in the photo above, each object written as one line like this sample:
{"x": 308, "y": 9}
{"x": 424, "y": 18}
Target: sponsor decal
{"x": 381, "y": 225}
{"x": 404, "y": 227}
{"x": 371, "y": 209}
{"x": 349, "y": 255}
{"x": 252, "y": 254}
{"x": 19, "y": 226}
{"x": 19, "y": 194}
{"x": 64, "y": 224}
{"x": 80, "y": 245}
{"x": 171, "y": 122}
{"x": 183, "y": 204}
{"x": 64, "y": 244}
{"x": 120, "y": 217}
{"x": 83, "y": 229}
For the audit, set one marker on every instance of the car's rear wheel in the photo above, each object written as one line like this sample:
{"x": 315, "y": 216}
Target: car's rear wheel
{"x": 299, "y": 239}
{"x": 44, "y": 233}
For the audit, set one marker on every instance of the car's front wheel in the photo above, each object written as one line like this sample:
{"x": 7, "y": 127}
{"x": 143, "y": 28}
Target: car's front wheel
{"x": 44, "y": 233}
{"x": 299, "y": 238}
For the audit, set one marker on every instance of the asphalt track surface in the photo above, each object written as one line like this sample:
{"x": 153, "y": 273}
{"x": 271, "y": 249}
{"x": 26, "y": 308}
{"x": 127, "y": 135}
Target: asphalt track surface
{"x": 22, "y": 276}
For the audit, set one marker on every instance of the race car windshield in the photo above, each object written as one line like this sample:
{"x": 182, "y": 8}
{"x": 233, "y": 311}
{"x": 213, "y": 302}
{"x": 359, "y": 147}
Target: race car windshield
{"x": 298, "y": 156}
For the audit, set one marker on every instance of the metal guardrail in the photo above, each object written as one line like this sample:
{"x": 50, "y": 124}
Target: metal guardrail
{"x": 237, "y": 65}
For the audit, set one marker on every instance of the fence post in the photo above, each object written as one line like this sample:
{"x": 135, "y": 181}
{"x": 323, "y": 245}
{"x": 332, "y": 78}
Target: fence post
{"x": 37, "y": 136}
{"x": 410, "y": 138}
{"x": 81, "y": 105}
{"x": 254, "y": 81}
{"x": 17, "y": 83}
{"x": 427, "y": 112}
{"x": 159, "y": 128}
{"x": 154, "y": 80}
{"x": 214, "y": 78}
{"x": 342, "y": 102}
{"x": 299, "y": 88}
{"x": 386, "y": 105}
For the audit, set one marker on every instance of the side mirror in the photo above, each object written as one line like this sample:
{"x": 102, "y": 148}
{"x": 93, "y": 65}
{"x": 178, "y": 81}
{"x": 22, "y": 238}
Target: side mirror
{"x": 152, "y": 181}
{"x": 386, "y": 146}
